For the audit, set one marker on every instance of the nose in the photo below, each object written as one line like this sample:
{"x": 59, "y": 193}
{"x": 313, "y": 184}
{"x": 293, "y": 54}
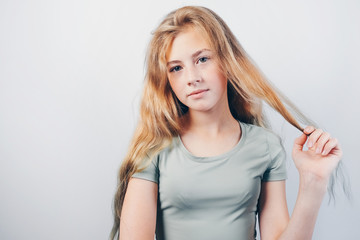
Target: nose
{"x": 194, "y": 76}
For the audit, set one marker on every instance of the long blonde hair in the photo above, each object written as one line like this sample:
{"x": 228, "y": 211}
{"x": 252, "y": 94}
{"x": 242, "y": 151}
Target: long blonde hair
{"x": 161, "y": 112}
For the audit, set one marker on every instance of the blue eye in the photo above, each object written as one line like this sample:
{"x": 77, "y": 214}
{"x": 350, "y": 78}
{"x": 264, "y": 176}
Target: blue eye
{"x": 203, "y": 59}
{"x": 175, "y": 69}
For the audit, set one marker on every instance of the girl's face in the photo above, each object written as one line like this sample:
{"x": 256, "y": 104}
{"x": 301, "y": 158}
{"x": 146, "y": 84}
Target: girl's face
{"x": 194, "y": 73}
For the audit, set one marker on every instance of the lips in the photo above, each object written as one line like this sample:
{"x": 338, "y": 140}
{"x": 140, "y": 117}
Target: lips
{"x": 197, "y": 92}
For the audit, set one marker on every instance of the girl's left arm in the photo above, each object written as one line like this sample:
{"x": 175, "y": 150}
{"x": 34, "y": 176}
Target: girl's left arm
{"x": 315, "y": 167}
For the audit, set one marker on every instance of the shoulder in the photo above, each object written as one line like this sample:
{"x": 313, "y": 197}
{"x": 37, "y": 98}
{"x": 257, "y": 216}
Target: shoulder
{"x": 164, "y": 152}
{"x": 152, "y": 158}
{"x": 263, "y": 139}
{"x": 260, "y": 133}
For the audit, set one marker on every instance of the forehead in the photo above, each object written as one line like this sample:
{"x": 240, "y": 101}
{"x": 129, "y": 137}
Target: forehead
{"x": 186, "y": 43}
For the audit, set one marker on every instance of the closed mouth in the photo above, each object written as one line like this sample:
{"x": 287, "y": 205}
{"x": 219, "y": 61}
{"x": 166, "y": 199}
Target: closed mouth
{"x": 197, "y": 91}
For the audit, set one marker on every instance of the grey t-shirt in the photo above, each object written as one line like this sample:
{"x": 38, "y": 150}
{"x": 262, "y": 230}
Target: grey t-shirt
{"x": 205, "y": 198}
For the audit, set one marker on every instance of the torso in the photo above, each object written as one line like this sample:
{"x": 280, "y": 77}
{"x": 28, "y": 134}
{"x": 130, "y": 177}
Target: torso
{"x": 214, "y": 197}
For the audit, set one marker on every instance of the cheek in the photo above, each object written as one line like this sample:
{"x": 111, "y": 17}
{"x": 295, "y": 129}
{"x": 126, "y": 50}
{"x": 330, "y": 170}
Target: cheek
{"x": 177, "y": 88}
{"x": 222, "y": 78}
{"x": 224, "y": 82}
{"x": 219, "y": 80}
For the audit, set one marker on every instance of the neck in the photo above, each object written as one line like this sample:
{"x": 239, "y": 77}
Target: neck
{"x": 210, "y": 122}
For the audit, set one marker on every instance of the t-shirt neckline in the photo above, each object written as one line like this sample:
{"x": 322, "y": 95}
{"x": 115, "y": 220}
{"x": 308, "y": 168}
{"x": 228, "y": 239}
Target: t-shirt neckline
{"x": 224, "y": 155}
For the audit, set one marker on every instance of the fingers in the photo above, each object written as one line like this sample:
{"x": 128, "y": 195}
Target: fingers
{"x": 308, "y": 130}
{"x": 320, "y": 141}
{"x": 313, "y": 137}
{"x": 299, "y": 142}
{"x": 323, "y": 139}
{"x": 331, "y": 144}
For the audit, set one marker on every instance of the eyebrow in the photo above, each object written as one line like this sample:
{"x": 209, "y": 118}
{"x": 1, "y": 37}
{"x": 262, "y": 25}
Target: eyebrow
{"x": 194, "y": 55}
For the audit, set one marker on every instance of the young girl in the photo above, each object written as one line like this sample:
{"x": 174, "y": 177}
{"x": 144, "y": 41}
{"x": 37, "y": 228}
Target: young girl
{"x": 202, "y": 164}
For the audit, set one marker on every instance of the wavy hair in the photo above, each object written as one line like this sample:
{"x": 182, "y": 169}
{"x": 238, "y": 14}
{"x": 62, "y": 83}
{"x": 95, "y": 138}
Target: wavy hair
{"x": 160, "y": 110}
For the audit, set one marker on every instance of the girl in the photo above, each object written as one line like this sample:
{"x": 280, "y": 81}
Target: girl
{"x": 202, "y": 163}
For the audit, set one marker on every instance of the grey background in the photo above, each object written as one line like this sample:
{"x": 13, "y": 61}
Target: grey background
{"x": 71, "y": 75}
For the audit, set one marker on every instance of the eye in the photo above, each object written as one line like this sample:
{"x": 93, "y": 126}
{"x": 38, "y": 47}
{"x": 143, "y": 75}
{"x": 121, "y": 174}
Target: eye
{"x": 175, "y": 69}
{"x": 203, "y": 59}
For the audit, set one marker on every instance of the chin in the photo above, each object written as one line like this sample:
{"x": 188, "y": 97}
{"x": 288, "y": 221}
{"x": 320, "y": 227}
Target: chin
{"x": 200, "y": 108}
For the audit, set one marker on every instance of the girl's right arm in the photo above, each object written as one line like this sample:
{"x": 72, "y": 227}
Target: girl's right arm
{"x": 138, "y": 214}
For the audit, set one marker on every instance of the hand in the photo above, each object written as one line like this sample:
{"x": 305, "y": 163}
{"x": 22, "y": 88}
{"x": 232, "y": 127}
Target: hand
{"x": 322, "y": 156}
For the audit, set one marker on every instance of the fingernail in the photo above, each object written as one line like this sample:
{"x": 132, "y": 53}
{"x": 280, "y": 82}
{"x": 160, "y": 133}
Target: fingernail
{"x": 310, "y": 144}
{"x": 318, "y": 150}
{"x": 323, "y": 153}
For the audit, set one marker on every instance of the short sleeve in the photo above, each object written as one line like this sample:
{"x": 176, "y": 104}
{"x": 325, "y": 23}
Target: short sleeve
{"x": 150, "y": 173}
{"x": 276, "y": 169}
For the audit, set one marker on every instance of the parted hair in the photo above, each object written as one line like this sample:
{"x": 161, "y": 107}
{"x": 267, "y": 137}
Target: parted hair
{"x": 160, "y": 110}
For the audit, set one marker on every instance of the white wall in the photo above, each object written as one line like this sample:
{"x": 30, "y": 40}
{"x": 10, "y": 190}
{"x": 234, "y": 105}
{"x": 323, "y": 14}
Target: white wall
{"x": 70, "y": 80}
